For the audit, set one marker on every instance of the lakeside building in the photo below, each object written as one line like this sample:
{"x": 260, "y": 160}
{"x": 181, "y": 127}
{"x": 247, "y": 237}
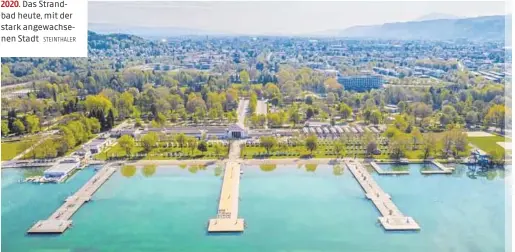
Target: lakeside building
{"x": 99, "y": 144}
{"x": 209, "y": 132}
{"x": 361, "y": 83}
{"x": 62, "y": 169}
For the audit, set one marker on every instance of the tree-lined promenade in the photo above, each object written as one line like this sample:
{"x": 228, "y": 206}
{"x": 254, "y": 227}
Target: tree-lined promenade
{"x": 161, "y": 147}
{"x": 394, "y": 144}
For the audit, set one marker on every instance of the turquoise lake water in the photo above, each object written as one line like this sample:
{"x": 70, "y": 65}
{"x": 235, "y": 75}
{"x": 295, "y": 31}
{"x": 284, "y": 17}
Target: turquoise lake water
{"x": 288, "y": 208}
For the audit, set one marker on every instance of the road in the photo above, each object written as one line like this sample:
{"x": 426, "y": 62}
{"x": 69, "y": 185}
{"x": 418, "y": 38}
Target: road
{"x": 23, "y": 84}
{"x": 261, "y": 109}
{"x": 234, "y": 151}
{"x": 243, "y": 107}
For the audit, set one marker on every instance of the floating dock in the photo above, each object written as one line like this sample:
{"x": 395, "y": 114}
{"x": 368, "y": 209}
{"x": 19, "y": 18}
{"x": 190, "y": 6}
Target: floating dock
{"x": 227, "y": 217}
{"x": 59, "y": 221}
{"x": 441, "y": 167}
{"x": 380, "y": 171}
{"x": 392, "y": 218}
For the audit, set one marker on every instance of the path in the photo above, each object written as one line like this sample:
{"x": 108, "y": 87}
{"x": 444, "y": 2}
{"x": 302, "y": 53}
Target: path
{"x": 59, "y": 221}
{"x": 392, "y": 218}
{"x": 227, "y": 218}
{"x": 261, "y": 109}
{"x": 23, "y": 153}
{"x": 242, "y": 111}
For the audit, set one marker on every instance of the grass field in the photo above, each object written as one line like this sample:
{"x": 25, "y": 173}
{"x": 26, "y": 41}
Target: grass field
{"x": 321, "y": 152}
{"x": 11, "y": 149}
{"x": 162, "y": 153}
{"x": 489, "y": 144}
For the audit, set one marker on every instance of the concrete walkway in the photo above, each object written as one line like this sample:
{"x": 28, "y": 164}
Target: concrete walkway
{"x": 392, "y": 219}
{"x": 59, "y": 221}
{"x": 227, "y": 217}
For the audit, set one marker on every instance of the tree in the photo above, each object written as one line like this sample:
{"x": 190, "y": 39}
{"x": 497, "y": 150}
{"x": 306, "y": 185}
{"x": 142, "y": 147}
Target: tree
{"x": 68, "y": 138}
{"x": 127, "y": 143}
{"x": 497, "y": 157}
{"x": 311, "y": 143}
{"x": 460, "y": 141}
{"x": 309, "y": 100}
{"x": 471, "y": 118}
{"x": 447, "y": 143}
{"x": 47, "y": 149}
{"x": 416, "y": 136}
{"x": 5, "y": 128}
{"x": 217, "y": 148}
{"x": 181, "y": 139}
{"x": 268, "y": 142}
{"x": 125, "y": 104}
{"x": 159, "y": 121}
{"x": 18, "y": 127}
{"x": 309, "y": 113}
{"x": 202, "y": 146}
{"x": 398, "y": 146}
{"x": 244, "y": 77}
{"x": 496, "y": 116}
{"x": 428, "y": 145}
{"x": 110, "y": 120}
{"x": 371, "y": 148}
{"x": 375, "y": 117}
{"x": 192, "y": 144}
{"x": 138, "y": 123}
{"x": 149, "y": 141}
{"x": 345, "y": 110}
{"x": 98, "y": 103}
{"x": 252, "y": 102}
{"x": 421, "y": 110}
{"x": 339, "y": 148}
{"x": 32, "y": 123}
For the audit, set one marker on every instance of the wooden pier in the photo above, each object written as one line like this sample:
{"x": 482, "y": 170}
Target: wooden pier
{"x": 59, "y": 221}
{"x": 392, "y": 218}
{"x": 380, "y": 171}
{"x": 227, "y": 217}
{"x": 441, "y": 167}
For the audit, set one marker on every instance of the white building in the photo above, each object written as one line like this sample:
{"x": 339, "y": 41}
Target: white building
{"x": 237, "y": 131}
{"x": 61, "y": 169}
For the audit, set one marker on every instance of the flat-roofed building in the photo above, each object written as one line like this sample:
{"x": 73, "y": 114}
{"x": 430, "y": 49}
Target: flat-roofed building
{"x": 361, "y": 83}
{"x": 98, "y": 145}
{"x": 390, "y": 108}
{"x": 63, "y": 168}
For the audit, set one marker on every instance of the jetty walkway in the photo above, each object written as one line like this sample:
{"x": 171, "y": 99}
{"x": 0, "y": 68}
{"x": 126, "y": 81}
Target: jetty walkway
{"x": 441, "y": 169}
{"x": 60, "y": 220}
{"x": 227, "y": 218}
{"x": 392, "y": 218}
{"x": 380, "y": 171}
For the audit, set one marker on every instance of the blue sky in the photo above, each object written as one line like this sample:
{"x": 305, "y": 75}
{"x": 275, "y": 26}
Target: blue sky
{"x": 274, "y": 17}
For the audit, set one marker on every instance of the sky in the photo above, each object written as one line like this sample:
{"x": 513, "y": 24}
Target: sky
{"x": 272, "y": 17}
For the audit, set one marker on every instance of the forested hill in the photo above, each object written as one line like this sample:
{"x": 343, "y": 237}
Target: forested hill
{"x": 122, "y": 49}
{"x": 479, "y": 28}
{"x": 108, "y": 41}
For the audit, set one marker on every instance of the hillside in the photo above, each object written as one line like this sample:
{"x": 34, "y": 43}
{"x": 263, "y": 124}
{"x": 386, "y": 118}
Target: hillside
{"x": 480, "y": 28}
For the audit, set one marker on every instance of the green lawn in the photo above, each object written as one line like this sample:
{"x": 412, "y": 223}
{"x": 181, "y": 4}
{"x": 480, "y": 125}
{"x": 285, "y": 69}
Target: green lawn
{"x": 11, "y": 149}
{"x": 320, "y": 152}
{"x": 162, "y": 153}
{"x": 327, "y": 151}
{"x": 489, "y": 144}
